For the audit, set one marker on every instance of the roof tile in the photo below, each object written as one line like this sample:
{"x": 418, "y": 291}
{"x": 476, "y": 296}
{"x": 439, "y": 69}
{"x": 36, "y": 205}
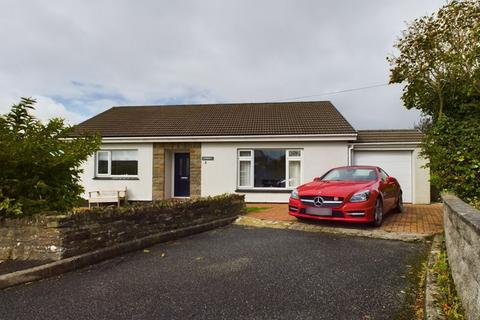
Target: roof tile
{"x": 283, "y": 118}
{"x": 400, "y": 135}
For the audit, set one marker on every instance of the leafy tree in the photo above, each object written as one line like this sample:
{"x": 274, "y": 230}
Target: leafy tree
{"x": 39, "y": 163}
{"x": 439, "y": 63}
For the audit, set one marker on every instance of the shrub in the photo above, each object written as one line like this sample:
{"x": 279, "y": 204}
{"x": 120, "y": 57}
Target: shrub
{"x": 39, "y": 163}
{"x": 453, "y": 147}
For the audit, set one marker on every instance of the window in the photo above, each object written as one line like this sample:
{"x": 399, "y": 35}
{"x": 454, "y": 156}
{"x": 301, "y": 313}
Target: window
{"x": 348, "y": 174}
{"x": 245, "y": 153}
{"x": 102, "y": 162}
{"x": 294, "y": 164}
{"x": 245, "y": 162}
{"x": 117, "y": 163}
{"x": 269, "y": 168}
{"x": 245, "y": 173}
{"x": 294, "y": 153}
{"x": 384, "y": 175}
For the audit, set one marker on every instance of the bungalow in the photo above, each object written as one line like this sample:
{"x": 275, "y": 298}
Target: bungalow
{"x": 262, "y": 150}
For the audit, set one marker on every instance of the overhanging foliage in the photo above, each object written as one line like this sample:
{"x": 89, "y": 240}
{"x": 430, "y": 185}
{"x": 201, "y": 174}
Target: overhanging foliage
{"x": 39, "y": 164}
{"x": 439, "y": 63}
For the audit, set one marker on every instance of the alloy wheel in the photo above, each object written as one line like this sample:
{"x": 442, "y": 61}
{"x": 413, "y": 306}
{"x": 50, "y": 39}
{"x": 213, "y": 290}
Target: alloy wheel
{"x": 378, "y": 215}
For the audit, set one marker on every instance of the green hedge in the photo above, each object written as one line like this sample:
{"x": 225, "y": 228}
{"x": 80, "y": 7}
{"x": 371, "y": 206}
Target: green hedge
{"x": 453, "y": 147}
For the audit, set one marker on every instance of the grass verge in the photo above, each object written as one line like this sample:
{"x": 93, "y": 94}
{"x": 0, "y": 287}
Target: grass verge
{"x": 257, "y": 209}
{"x": 447, "y": 298}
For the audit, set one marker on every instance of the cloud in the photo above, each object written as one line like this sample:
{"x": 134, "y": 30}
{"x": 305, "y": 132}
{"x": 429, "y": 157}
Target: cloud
{"x": 45, "y": 109}
{"x": 87, "y": 56}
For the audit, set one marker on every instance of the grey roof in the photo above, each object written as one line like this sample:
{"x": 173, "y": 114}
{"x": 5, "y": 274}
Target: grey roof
{"x": 282, "y": 118}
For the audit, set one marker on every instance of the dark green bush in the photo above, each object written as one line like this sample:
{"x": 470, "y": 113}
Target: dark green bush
{"x": 453, "y": 147}
{"x": 39, "y": 163}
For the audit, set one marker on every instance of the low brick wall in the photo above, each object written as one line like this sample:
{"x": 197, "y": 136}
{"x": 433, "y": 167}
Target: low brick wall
{"x": 53, "y": 237}
{"x": 462, "y": 238}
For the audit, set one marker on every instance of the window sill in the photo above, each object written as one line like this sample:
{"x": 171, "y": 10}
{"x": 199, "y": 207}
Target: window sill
{"x": 116, "y": 178}
{"x": 264, "y": 190}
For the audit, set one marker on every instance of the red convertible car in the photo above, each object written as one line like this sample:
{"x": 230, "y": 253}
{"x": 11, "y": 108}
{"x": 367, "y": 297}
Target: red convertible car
{"x": 354, "y": 194}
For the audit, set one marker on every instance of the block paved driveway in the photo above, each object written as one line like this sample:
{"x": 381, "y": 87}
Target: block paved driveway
{"x": 231, "y": 273}
{"x": 416, "y": 218}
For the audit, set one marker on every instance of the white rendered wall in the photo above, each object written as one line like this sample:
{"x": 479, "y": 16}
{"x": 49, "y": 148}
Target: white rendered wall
{"x": 421, "y": 179}
{"x": 220, "y": 175}
{"x": 139, "y": 190}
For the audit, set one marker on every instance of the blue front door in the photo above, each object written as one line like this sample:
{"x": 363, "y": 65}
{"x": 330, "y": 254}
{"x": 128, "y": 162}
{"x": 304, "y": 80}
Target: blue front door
{"x": 182, "y": 175}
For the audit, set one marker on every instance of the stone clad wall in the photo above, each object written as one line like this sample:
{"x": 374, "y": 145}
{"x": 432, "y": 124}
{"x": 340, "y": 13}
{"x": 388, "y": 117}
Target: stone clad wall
{"x": 158, "y": 174}
{"x": 462, "y": 238}
{"x": 31, "y": 238}
{"x": 159, "y": 167}
{"x": 53, "y": 237}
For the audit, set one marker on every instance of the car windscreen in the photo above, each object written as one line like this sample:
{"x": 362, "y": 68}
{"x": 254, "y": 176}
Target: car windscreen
{"x": 350, "y": 174}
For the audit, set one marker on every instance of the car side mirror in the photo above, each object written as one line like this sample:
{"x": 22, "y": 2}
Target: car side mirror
{"x": 317, "y": 179}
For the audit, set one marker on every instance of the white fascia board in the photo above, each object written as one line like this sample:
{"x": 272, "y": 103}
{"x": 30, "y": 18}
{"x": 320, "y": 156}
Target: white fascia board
{"x": 305, "y": 137}
{"x": 386, "y": 149}
{"x": 383, "y": 143}
{"x": 385, "y": 146}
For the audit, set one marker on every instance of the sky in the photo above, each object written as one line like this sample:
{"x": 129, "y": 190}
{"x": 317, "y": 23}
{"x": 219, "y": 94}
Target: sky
{"x": 79, "y": 58}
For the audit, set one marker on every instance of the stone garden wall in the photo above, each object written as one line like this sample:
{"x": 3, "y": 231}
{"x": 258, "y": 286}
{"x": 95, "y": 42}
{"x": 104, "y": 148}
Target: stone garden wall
{"x": 53, "y": 237}
{"x": 462, "y": 238}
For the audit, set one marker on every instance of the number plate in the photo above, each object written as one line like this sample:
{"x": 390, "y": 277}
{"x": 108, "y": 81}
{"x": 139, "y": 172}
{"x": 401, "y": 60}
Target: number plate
{"x": 319, "y": 211}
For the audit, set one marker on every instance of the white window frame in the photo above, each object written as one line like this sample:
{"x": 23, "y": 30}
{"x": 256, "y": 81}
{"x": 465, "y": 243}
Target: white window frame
{"x": 289, "y": 158}
{"x": 245, "y": 159}
{"x": 109, "y": 164}
{"x": 251, "y": 159}
{"x": 109, "y": 152}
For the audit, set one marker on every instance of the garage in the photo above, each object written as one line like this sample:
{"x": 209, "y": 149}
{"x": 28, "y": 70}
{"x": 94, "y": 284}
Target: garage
{"x": 397, "y": 163}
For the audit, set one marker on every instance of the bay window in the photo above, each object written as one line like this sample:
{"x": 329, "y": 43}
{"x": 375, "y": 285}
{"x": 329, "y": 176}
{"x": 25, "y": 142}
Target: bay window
{"x": 117, "y": 163}
{"x": 269, "y": 168}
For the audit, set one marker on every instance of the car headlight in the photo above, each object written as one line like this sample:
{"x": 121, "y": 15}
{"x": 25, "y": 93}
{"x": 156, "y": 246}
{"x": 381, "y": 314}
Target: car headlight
{"x": 294, "y": 194}
{"x": 360, "y": 196}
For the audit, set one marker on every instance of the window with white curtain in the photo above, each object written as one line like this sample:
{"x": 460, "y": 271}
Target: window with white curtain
{"x": 294, "y": 166}
{"x": 269, "y": 168}
{"x": 245, "y": 168}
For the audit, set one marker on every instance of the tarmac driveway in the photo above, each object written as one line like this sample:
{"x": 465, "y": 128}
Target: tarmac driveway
{"x": 232, "y": 273}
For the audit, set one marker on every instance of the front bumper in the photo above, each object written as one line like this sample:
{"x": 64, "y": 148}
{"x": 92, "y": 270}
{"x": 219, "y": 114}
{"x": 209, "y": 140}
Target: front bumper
{"x": 359, "y": 212}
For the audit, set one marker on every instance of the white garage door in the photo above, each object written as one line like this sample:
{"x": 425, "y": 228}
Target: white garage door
{"x": 395, "y": 163}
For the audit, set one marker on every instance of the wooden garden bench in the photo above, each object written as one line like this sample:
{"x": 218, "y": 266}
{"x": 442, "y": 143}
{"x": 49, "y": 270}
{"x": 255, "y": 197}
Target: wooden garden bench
{"x": 107, "y": 196}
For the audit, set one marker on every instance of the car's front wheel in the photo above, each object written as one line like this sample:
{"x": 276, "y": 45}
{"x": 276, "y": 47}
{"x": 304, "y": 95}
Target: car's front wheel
{"x": 378, "y": 213}
{"x": 399, "y": 206}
